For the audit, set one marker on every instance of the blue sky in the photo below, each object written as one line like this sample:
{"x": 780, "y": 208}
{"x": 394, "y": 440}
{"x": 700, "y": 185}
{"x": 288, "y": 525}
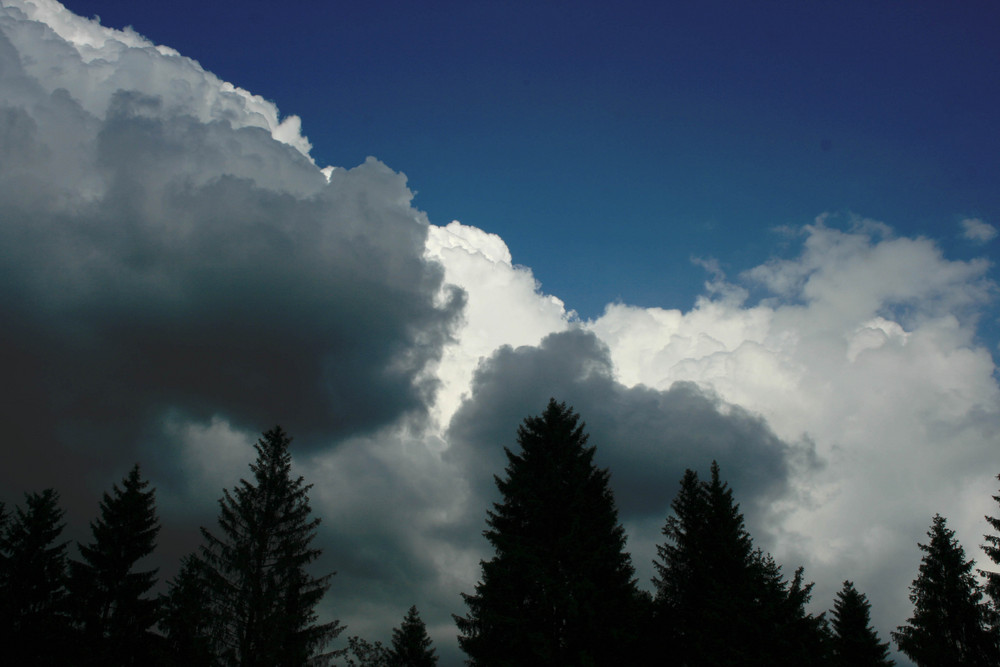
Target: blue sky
{"x": 608, "y": 144}
{"x": 177, "y": 275}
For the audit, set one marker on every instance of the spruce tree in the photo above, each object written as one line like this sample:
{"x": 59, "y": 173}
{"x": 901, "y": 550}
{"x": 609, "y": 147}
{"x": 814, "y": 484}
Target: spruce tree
{"x": 34, "y": 623}
{"x": 854, "y": 641}
{"x": 949, "y": 623}
{"x": 719, "y": 600}
{"x": 411, "y": 646}
{"x": 559, "y": 589}
{"x": 262, "y": 597}
{"x": 186, "y": 619}
{"x": 992, "y": 549}
{"x": 108, "y": 595}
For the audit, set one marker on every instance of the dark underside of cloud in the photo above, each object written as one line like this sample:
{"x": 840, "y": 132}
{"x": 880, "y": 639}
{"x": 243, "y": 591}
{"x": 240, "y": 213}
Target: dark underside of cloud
{"x": 646, "y": 437}
{"x": 157, "y": 265}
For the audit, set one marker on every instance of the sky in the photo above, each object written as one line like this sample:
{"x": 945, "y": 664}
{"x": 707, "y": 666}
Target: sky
{"x": 760, "y": 234}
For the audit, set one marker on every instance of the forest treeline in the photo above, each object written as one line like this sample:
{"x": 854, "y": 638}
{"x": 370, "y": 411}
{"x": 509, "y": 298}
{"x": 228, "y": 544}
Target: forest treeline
{"x": 559, "y": 589}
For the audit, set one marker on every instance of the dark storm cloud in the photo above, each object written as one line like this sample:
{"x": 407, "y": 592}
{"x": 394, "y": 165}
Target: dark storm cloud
{"x": 645, "y": 436}
{"x": 153, "y": 264}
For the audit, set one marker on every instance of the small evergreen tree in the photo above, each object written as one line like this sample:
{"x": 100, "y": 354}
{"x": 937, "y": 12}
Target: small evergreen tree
{"x": 262, "y": 598}
{"x": 559, "y": 589}
{"x": 949, "y": 622}
{"x": 107, "y": 594}
{"x": 34, "y": 623}
{"x": 411, "y": 645}
{"x": 855, "y": 643}
{"x": 185, "y": 619}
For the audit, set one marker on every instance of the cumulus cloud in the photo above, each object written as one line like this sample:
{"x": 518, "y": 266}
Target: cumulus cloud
{"x": 978, "y": 231}
{"x": 165, "y": 256}
{"x": 178, "y": 275}
{"x": 863, "y": 343}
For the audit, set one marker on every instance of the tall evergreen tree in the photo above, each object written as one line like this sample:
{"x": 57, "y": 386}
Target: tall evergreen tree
{"x": 411, "y": 645}
{"x": 34, "y": 623}
{"x": 108, "y": 595}
{"x": 949, "y": 623}
{"x": 719, "y": 600}
{"x": 559, "y": 589}
{"x": 855, "y": 643}
{"x": 262, "y": 597}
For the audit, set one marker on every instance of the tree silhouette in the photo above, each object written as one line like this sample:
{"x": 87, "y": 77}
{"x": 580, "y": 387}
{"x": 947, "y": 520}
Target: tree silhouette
{"x": 855, "y": 643}
{"x": 992, "y": 549}
{"x": 186, "y": 619}
{"x": 261, "y": 596}
{"x": 559, "y": 589}
{"x": 949, "y": 622}
{"x": 107, "y": 594}
{"x": 33, "y": 608}
{"x": 411, "y": 646}
{"x": 720, "y": 601}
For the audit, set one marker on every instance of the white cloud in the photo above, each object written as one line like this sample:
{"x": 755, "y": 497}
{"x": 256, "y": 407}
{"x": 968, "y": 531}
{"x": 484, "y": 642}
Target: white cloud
{"x": 976, "y": 230}
{"x": 864, "y": 346}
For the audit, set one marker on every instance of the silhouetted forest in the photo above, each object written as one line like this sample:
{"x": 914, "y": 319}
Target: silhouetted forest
{"x": 559, "y": 588}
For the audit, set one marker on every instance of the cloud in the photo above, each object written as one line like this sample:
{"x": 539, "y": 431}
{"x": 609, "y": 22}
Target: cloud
{"x": 864, "y": 344}
{"x": 165, "y": 259}
{"x": 978, "y": 231}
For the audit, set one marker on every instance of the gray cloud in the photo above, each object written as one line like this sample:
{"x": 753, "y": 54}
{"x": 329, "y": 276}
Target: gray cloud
{"x": 155, "y": 264}
{"x": 646, "y": 437}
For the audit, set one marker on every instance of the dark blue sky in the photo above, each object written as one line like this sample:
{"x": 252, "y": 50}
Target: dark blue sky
{"x": 610, "y": 144}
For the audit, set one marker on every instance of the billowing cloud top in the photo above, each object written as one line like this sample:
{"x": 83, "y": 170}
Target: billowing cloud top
{"x": 177, "y": 275}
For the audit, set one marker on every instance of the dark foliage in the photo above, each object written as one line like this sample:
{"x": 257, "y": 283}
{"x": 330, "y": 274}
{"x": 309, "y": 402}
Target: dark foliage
{"x": 992, "y": 549}
{"x": 262, "y": 598}
{"x": 411, "y": 646}
{"x": 720, "y": 601}
{"x": 854, "y": 642}
{"x": 34, "y": 619}
{"x": 185, "y": 618}
{"x": 108, "y": 596}
{"x": 559, "y": 589}
{"x": 363, "y": 653}
{"x": 949, "y": 625}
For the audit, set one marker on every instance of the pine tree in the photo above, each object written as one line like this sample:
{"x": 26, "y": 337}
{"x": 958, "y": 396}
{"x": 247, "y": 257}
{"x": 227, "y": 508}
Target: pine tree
{"x": 107, "y": 593}
{"x": 363, "y": 653}
{"x": 411, "y": 646}
{"x": 559, "y": 589}
{"x": 34, "y": 624}
{"x": 720, "y": 601}
{"x": 262, "y": 597}
{"x": 855, "y": 642}
{"x": 949, "y": 622}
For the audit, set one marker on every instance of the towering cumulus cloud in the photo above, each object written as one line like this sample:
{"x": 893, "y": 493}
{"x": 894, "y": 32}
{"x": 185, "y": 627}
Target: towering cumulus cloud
{"x": 176, "y": 275}
{"x": 171, "y": 254}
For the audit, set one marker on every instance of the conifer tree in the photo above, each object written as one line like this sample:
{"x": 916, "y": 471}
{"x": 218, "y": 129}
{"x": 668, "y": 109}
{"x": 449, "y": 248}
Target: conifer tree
{"x": 108, "y": 595}
{"x": 992, "y": 549}
{"x": 720, "y": 601}
{"x": 559, "y": 589}
{"x": 186, "y": 620}
{"x": 262, "y": 597}
{"x": 34, "y": 623}
{"x": 949, "y": 622}
{"x": 855, "y": 643}
{"x": 411, "y": 645}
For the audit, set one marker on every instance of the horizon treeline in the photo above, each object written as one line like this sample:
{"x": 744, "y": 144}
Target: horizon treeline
{"x": 559, "y": 589}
